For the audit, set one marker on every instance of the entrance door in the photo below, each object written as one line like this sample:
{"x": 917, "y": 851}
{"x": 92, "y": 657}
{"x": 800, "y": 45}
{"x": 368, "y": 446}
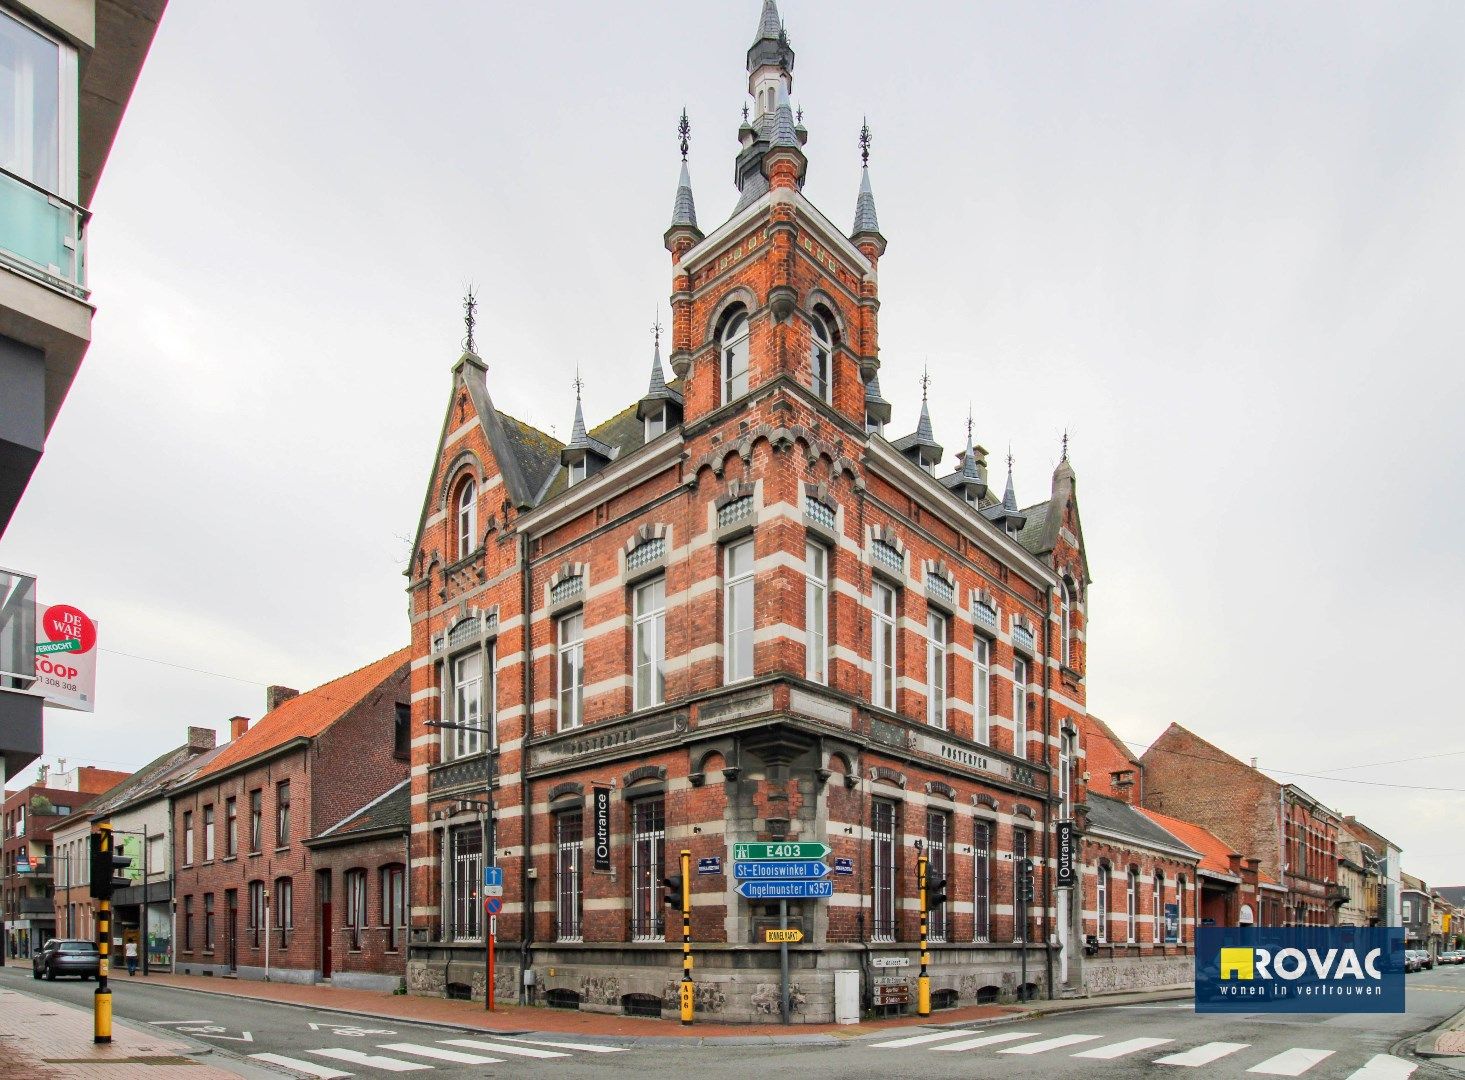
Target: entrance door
{"x": 323, "y": 924}
{"x": 231, "y": 928}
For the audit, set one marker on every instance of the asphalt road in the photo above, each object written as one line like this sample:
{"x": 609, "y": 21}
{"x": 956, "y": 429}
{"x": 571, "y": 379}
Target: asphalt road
{"x": 1151, "y": 1041}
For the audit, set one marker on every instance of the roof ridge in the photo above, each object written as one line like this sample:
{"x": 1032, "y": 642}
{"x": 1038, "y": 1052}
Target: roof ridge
{"x": 339, "y": 678}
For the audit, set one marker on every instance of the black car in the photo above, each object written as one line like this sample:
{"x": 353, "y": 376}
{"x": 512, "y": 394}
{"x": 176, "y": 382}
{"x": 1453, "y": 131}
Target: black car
{"x": 67, "y": 956}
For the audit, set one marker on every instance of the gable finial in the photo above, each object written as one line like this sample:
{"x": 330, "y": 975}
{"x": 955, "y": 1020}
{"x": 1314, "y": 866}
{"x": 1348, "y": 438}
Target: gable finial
{"x": 799, "y": 114}
{"x": 1065, "y": 444}
{"x": 684, "y": 132}
{"x": 969, "y": 424}
{"x": 579, "y": 384}
{"x": 865, "y": 139}
{"x": 925, "y": 381}
{"x": 745, "y": 112}
{"x": 656, "y": 327}
{"x": 470, "y": 319}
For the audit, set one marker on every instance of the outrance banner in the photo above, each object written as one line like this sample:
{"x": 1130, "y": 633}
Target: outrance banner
{"x": 1309, "y": 969}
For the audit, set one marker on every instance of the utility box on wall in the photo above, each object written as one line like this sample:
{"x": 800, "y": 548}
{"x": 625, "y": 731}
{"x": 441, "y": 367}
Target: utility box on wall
{"x": 846, "y": 997}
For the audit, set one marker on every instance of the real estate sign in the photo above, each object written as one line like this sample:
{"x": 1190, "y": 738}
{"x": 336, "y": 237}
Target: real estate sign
{"x": 66, "y": 658}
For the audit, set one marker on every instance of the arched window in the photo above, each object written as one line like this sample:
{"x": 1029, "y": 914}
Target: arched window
{"x": 467, "y": 517}
{"x": 734, "y": 347}
{"x": 1132, "y": 906}
{"x": 821, "y": 365}
{"x": 1103, "y": 902}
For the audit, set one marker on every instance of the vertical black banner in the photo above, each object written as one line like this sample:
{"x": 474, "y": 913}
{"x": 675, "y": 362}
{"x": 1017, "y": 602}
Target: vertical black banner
{"x": 600, "y": 810}
{"x": 1067, "y": 845}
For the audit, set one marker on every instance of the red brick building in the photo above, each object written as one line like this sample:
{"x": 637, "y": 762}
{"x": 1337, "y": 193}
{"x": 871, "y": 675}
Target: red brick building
{"x": 738, "y": 611}
{"x": 1292, "y": 835}
{"x": 251, "y": 900}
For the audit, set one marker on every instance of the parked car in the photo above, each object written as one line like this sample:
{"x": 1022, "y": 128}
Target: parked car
{"x": 67, "y": 956}
{"x": 1451, "y": 956}
{"x": 1426, "y": 958}
{"x": 1414, "y": 960}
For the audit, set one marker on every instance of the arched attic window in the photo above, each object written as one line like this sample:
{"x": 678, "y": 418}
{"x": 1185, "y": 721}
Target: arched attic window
{"x": 467, "y": 517}
{"x": 821, "y": 353}
{"x": 733, "y": 348}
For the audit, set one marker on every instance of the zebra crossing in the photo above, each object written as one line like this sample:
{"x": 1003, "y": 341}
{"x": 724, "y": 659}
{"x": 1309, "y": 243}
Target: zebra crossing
{"x": 1292, "y": 1062}
{"x": 410, "y": 1057}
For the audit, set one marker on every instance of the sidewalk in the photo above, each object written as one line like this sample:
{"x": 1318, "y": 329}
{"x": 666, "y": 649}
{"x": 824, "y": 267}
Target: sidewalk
{"x": 521, "y": 1018}
{"x": 43, "y": 1039}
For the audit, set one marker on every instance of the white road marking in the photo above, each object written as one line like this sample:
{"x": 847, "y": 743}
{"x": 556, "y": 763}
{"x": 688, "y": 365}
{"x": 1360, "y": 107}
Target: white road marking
{"x": 1383, "y": 1067}
{"x": 1292, "y": 1062}
{"x": 439, "y": 1054}
{"x": 916, "y": 1040}
{"x": 1119, "y": 1049}
{"x": 988, "y": 1040}
{"x": 504, "y": 1048}
{"x": 309, "y": 1068}
{"x": 593, "y": 1048}
{"x": 1202, "y": 1055}
{"x": 1049, "y": 1044}
{"x": 376, "y": 1061}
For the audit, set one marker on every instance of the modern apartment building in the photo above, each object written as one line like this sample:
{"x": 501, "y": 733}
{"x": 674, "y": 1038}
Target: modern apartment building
{"x": 67, "y": 69}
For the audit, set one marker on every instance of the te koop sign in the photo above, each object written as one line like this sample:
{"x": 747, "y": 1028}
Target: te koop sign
{"x": 66, "y": 658}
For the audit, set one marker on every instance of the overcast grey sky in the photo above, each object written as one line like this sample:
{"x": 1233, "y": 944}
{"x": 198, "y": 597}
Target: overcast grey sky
{"x": 1221, "y": 243}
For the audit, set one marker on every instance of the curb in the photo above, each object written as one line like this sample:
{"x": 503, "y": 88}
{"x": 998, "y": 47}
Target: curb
{"x": 1425, "y": 1044}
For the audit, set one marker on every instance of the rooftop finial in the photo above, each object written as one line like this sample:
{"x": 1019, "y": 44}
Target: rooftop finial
{"x": 656, "y": 327}
{"x": 865, "y": 140}
{"x": 799, "y": 114}
{"x": 470, "y": 318}
{"x": 579, "y": 384}
{"x": 745, "y": 112}
{"x": 1009, "y": 461}
{"x": 684, "y": 132}
{"x": 925, "y": 381}
{"x": 969, "y": 425}
{"x": 1065, "y": 444}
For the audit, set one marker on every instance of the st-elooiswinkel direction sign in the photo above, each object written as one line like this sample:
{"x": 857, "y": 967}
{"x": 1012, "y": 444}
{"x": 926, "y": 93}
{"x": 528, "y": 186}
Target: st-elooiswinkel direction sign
{"x": 786, "y": 890}
{"x": 744, "y": 852}
{"x": 780, "y": 870}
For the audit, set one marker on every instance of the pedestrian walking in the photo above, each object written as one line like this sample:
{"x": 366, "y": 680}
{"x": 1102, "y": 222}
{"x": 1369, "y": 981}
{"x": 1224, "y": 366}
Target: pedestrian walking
{"x": 130, "y": 952}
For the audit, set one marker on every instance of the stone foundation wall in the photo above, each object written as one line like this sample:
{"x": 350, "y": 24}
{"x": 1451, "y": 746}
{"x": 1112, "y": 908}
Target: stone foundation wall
{"x": 1113, "y": 976}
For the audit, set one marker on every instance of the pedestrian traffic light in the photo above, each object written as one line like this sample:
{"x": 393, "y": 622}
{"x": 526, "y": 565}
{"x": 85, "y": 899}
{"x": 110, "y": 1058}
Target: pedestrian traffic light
{"x": 935, "y": 892}
{"x": 673, "y": 895}
{"x": 107, "y": 865}
{"x": 1025, "y": 880}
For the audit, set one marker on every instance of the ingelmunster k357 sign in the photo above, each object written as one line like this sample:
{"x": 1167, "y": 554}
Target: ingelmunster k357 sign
{"x": 66, "y": 658}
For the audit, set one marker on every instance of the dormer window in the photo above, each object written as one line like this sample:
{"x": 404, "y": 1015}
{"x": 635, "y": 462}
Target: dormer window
{"x": 467, "y": 518}
{"x": 820, "y": 356}
{"x": 734, "y": 349}
{"x": 874, "y": 425}
{"x": 655, "y": 424}
{"x": 578, "y": 470}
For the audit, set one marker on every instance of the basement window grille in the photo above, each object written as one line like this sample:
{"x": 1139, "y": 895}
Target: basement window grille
{"x": 735, "y": 510}
{"x": 645, "y": 554}
{"x": 567, "y": 588}
{"x": 820, "y": 513}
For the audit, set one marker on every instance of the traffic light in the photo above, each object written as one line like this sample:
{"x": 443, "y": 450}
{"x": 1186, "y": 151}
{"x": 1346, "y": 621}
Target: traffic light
{"x": 1025, "y": 880}
{"x": 935, "y": 892}
{"x": 673, "y": 895}
{"x": 107, "y": 865}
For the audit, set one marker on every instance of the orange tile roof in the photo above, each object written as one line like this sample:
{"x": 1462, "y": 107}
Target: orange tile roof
{"x": 307, "y": 715}
{"x": 1214, "y": 851}
{"x": 1105, "y": 755}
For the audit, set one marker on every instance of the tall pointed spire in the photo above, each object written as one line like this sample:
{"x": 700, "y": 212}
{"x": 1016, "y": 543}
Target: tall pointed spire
{"x": 867, "y": 222}
{"x": 1009, "y": 497}
{"x": 584, "y": 454}
{"x": 970, "y": 480}
{"x": 769, "y": 24}
{"x": 922, "y": 447}
{"x": 577, "y": 432}
{"x": 923, "y": 426}
{"x": 659, "y": 398}
{"x": 684, "y": 210}
{"x": 1006, "y": 515}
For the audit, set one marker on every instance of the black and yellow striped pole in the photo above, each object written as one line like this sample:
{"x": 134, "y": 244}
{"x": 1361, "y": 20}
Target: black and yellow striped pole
{"x": 102, "y": 999}
{"x": 688, "y": 994}
{"x": 923, "y": 983}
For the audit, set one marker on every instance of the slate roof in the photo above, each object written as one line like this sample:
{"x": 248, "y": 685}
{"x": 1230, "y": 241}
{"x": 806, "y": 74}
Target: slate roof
{"x": 866, "y": 220}
{"x": 1116, "y": 816}
{"x": 1031, "y": 535}
{"x": 390, "y": 810}
{"x": 309, "y": 714}
{"x": 536, "y": 454}
{"x": 1452, "y": 894}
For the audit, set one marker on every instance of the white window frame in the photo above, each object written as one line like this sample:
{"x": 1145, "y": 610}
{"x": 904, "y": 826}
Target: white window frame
{"x": 468, "y": 697}
{"x": 570, "y": 668}
{"x": 579, "y": 470}
{"x": 884, "y": 646}
{"x": 981, "y": 690}
{"x": 210, "y": 826}
{"x": 938, "y": 650}
{"x": 1103, "y": 878}
{"x": 816, "y": 612}
{"x": 734, "y": 351}
{"x": 656, "y": 423}
{"x": 1131, "y": 905}
{"x": 467, "y": 518}
{"x": 188, "y": 838}
{"x": 1065, "y": 626}
{"x": 738, "y": 598}
{"x": 648, "y": 615}
{"x": 1020, "y": 707}
{"x": 1157, "y": 893}
{"x": 1067, "y": 751}
{"x": 821, "y": 358}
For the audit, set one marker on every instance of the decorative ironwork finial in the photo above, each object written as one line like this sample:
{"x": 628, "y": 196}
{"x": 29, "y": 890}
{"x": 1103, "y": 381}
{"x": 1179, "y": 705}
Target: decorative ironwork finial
{"x": 745, "y": 112}
{"x": 1009, "y": 458}
{"x": 470, "y": 318}
{"x": 684, "y": 132}
{"x": 925, "y": 381}
{"x": 969, "y": 423}
{"x": 579, "y": 383}
{"x": 865, "y": 140}
{"x": 1065, "y": 444}
{"x": 799, "y": 114}
{"x": 656, "y": 327}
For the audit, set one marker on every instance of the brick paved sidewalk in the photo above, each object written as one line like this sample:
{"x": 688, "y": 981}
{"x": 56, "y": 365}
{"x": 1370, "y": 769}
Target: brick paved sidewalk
{"x": 469, "y": 1014}
{"x": 42, "y": 1039}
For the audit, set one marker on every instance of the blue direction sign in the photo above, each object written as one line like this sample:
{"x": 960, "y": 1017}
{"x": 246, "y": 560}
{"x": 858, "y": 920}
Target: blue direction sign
{"x": 781, "y": 870}
{"x": 786, "y": 890}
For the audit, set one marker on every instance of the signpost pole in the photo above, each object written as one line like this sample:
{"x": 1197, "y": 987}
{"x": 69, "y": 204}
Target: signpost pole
{"x": 1022, "y": 927}
{"x": 783, "y": 962}
{"x": 688, "y": 994}
{"x": 493, "y": 921}
{"x": 923, "y": 982}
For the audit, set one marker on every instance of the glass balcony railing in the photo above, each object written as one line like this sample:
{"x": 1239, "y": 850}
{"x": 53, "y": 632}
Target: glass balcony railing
{"x": 42, "y": 235}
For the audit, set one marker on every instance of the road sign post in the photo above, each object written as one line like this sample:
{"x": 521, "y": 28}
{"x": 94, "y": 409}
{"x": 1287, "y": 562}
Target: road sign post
{"x": 783, "y": 961}
{"x": 688, "y": 998}
{"x": 923, "y": 981}
{"x": 493, "y": 903}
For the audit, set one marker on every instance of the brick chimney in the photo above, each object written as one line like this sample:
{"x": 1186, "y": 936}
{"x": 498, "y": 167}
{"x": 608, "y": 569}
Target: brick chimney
{"x": 238, "y": 725}
{"x": 276, "y": 696}
{"x": 202, "y": 738}
{"x": 1122, "y": 784}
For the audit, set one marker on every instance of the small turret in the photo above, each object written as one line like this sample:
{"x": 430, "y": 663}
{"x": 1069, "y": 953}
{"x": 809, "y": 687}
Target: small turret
{"x": 922, "y": 447}
{"x": 661, "y": 407}
{"x": 867, "y": 224}
{"x": 877, "y": 409}
{"x": 683, "y": 231}
{"x": 1005, "y": 515}
{"x": 584, "y": 456}
{"x": 969, "y": 482}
